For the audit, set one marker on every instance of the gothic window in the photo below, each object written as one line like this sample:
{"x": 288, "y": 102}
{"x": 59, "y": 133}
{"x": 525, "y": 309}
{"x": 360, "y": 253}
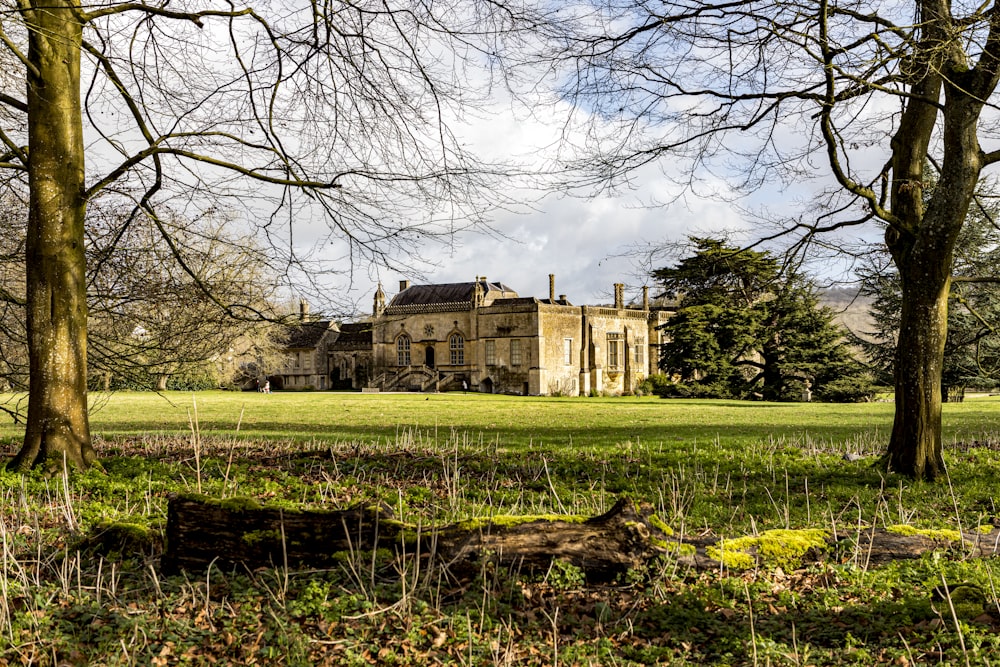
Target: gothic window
{"x": 616, "y": 342}
{"x": 456, "y": 345}
{"x": 403, "y": 350}
{"x": 515, "y": 352}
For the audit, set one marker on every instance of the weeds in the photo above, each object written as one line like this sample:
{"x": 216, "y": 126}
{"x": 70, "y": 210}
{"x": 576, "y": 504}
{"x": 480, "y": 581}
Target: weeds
{"x": 712, "y": 469}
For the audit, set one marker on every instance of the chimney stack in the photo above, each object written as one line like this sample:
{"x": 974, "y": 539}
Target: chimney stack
{"x": 303, "y": 310}
{"x": 645, "y": 297}
{"x": 552, "y": 287}
{"x": 619, "y": 295}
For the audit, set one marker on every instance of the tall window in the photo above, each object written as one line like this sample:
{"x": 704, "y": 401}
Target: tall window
{"x": 403, "y": 350}
{"x": 568, "y": 351}
{"x": 615, "y": 344}
{"x": 640, "y": 351}
{"x": 515, "y": 352}
{"x": 491, "y": 353}
{"x": 456, "y": 344}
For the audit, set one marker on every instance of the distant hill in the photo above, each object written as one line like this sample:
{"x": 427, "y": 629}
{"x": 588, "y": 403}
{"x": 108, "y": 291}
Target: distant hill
{"x": 853, "y": 312}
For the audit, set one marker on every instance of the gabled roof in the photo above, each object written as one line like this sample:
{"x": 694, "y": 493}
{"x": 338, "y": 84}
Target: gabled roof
{"x": 446, "y": 296}
{"x": 354, "y": 336}
{"x": 306, "y": 334}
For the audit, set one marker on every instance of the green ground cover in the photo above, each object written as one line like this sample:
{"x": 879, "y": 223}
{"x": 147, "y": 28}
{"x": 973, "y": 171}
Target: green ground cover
{"x": 74, "y": 595}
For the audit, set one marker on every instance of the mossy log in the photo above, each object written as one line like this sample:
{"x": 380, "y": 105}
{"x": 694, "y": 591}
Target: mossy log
{"x": 883, "y": 545}
{"x": 867, "y": 547}
{"x": 201, "y": 531}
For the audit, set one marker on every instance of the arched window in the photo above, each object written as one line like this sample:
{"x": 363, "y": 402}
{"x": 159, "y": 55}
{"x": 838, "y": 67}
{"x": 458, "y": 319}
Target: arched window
{"x": 403, "y": 350}
{"x": 456, "y": 344}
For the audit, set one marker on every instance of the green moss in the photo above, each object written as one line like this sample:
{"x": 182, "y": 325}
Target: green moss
{"x": 772, "y": 548}
{"x": 932, "y": 533}
{"x": 257, "y": 536}
{"x": 657, "y": 522}
{"x": 232, "y": 504}
{"x": 381, "y": 555}
{"x": 729, "y": 553}
{"x": 125, "y": 528}
{"x": 115, "y": 539}
{"x": 679, "y": 549}
{"x": 510, "y": 520}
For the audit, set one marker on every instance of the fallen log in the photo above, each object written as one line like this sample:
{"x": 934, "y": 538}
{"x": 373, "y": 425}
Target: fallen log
{"x": 201, "y": 531}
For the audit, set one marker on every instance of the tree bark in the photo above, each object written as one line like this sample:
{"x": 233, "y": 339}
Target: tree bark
{"x": 57, "y": 427}
{"x": 915, "y": 443}
{"x": 922, "y": 241}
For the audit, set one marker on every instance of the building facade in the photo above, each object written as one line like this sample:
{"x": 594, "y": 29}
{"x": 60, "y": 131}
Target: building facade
{"x": 305, "y": 348}
{"x": 482, "y": 336}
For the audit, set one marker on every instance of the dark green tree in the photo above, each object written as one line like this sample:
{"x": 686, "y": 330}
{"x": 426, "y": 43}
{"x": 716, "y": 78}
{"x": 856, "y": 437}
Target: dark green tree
{"x": 972, "y": 349}
{"x": 746, "y": 328}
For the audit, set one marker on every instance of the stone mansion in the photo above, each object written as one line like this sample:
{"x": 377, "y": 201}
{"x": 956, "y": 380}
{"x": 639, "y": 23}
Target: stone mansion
{"x": 479, "y": 336}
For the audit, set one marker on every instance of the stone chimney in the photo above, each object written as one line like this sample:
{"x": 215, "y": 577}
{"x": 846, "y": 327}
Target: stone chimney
{"x": 303, "y": 310}
{"x": 477, "y": 292}
{"x": 552, "y": 287}
{"x": 619, "y": 296}
{"x": 404, "y": 285}
{"x": 645, "y": 297}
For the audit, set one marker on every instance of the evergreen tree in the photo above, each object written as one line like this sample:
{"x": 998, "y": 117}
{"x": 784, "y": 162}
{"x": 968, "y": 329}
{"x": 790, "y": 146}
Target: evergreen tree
{"x": 972, "y": 349}
{"x": 745, "y": 328}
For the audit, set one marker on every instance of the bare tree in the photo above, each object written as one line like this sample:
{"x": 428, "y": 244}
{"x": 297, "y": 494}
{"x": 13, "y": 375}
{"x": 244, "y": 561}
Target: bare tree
{"x": 329, "y": 120}
{"x": 857, "y": 96}
{"x": 151, "y": 319}
{"x": 148, "y": 318}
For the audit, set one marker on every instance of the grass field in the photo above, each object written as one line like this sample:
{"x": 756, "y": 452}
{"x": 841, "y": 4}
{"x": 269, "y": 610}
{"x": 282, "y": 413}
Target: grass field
{"x": 709, "y": 467}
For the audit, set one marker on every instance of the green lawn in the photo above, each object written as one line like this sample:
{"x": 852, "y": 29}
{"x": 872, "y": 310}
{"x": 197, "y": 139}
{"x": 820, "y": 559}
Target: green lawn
{"x": 713, "y": 468}
{"x": 590, "y": 422}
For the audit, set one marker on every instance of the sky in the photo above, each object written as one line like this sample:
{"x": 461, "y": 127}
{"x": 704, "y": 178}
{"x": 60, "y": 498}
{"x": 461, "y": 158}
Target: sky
{"x": 592, "y": 240}
{"x": 586, "y": 243}
{"x": 587, "y": 240}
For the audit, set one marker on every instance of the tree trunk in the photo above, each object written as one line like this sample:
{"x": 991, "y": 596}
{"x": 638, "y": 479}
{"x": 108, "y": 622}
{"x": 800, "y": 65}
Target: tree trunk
{"x": 57, "y": 427}
{"x": 915, "y": 444}
{"x": 923, "y": 237}
{"x": 161, "y": 381}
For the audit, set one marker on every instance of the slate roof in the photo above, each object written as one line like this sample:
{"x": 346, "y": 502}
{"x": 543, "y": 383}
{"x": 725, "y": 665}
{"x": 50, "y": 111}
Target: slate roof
{"x": 354, "y": 336}
{"x": 446, "y": 296}
{"x": 306, "y": 335}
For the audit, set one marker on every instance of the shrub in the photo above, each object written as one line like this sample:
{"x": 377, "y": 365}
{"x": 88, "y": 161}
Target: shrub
{"x": 846, "y": 389}
{"x": 654, "y": 384}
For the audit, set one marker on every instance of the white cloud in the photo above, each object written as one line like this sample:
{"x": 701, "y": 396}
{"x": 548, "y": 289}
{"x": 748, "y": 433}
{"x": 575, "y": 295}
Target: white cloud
{"x": 583, "y": 241}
